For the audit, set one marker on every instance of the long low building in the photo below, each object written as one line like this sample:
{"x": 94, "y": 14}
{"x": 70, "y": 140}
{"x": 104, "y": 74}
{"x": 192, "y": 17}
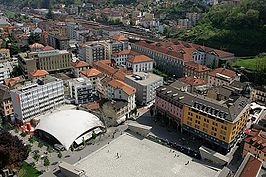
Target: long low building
{"x": 69, "y": 126}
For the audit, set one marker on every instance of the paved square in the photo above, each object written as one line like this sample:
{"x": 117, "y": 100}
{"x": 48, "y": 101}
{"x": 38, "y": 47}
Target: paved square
{"x": 141, "y": 158}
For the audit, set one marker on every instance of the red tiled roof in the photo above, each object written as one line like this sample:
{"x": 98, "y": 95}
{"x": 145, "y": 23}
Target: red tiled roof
{"x": 47, "y": 48}
{"x": 36, "y": 45}
{"x": 12, "y": 81}
{"x": 38, "y": 73}
{"x": 256, "y": 138}
{"x": 119, "y": 37}
{"x": 139, "y": 59}
{"x": 192, "y": 81}
{"x": 4, "y": 50}
{"x": 123, "y": 86}
{"x": 196, "y": 67}
{"x": 251, "y": 168}
{"x": 180, "y": 49}
{"x": 223, "y": 71}
{"x": 79, "y": 64}
{"x": 91, "y": 72}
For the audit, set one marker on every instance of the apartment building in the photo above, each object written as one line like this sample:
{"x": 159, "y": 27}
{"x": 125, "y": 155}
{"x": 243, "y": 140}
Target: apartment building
{"x": 4, "y": 72}
{"x": 196, "y": 70}
{"x": 80, "y": 90}
{"x": 171, "y": 56}
{"x": 119, "y": 90}
{"x": 52, "y": 60}
{"x": 58, "y": 41}
{"x": 145, "y": 85}
{"x": 6, "y": 107}
{"x": 4, "y": 54}
{"x": 92, "y": 51}
{"x": 218, "y": 122}
{"x": 36, "y": 97}
{"x": 93, "y": 75}
{"x": 78, "y": 66}
{"x": 255, "y": 143}
{"x": 140, "y": 63}
{"x": 259, "y": 94}
{"x": 222, "y": 76}
{"x": 121, "y": 57}
{"x": 169, "y": 104}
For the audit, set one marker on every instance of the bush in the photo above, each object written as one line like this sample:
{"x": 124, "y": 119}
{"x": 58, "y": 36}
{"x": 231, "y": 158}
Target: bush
{"x": 59, "y": 155}
{"x": 46, "y": 162}
{"x": 36, "y": 156}
{"x": 32, "y": 139}
{"x": 23, "y": 134}
{"x": 49, "y": 149}
{"x": 40, "y": 145}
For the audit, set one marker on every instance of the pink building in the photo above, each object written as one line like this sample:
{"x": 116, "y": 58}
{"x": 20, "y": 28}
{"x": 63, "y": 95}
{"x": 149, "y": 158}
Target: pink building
{"x": 222, "y": 76}
{"x": 168, "y": 104}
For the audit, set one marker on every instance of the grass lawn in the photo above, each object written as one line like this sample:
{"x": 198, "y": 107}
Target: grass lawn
{"x": 160, "y": 73}
{"x": 28, "y": 171}
{"x": 248, "y": 63}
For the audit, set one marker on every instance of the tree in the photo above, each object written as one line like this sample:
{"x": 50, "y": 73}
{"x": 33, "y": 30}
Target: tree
{"x": 40, "y": 145}
{"x": 12, "y": 151}
{"x": 46, "y": 162}
{"x": 59, "y": 155}
{"x": 49, "y": 149}
{"x": 50, "y": 14}
{"x": 36, "y": 156}
{"x": 94, "y": 135}
{"x": 34, "y": 37}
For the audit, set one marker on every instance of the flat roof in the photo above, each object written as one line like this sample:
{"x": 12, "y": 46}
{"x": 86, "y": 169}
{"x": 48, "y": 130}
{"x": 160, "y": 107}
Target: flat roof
{"x": 143, "y": 78}
{"x": 140, "y": 158}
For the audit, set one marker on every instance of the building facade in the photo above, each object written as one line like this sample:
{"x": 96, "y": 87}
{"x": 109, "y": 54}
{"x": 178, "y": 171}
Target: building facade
{"x": 121, "y": 91}
{"x": 80, "y": 90}
{"x": 222, "y": 76}
{"x": 52, "y": 60}
{"x": 255, "y": 144}
{"x": 140, "y": 63}
{"x": 78, "y": 66}
{"x": 4, "y": 73}
{"x": 196, "y": 70}
{"x": 92, "y": 52}
{"x": 37, "y": 97}
{"x": 6, "y": 107}
{"x": 145, "y": 85}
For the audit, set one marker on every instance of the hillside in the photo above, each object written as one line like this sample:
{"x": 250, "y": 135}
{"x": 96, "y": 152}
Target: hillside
{"x": 239, "y": 29}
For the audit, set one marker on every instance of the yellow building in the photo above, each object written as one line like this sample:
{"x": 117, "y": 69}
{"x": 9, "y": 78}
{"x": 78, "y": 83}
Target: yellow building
{"x": 220, "y": 123}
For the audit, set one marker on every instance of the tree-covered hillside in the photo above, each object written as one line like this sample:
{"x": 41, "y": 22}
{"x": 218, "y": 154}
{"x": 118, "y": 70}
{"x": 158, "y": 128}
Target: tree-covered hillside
{"x": 240, "y": 29}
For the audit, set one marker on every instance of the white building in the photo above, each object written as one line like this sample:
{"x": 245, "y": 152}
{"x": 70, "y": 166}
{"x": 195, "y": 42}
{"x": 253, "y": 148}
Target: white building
{"x": 146, "y": 85}
{"x": 78, "y": 66}
{"x": 140, "y": 63}
{"x": 37, "y": 97}
{"x": 80, "y": 90}
{"x": 222, "y": 76}
{"x": 121, "y": 91}
{"x": 4, "y": 72}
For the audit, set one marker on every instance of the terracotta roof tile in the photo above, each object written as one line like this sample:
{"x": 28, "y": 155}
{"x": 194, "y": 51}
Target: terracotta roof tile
{"x": 47, "y": 48}
{"x": 36, "y": 45}
{"x": 126, "y": 52}
{"x": 12, "y": 81}
{"x": 139, "y": 59}
{"x": 223, "y": 71}
{"x": 192, "y": 81}
{"x": 196, "y": 67}
{"x": 251, "y": 168}
{"x": 256, "y": 136}
{"x": 79, "y": 64}
{"x": 123, "y": 86}
{"x": 38, "y": 73}
{"x": 91, "y": 72}
{"x": 119, "y": 37}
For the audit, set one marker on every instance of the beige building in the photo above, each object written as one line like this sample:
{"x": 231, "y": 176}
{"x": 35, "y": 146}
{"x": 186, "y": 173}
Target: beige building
{"x": 6, "y": 108}
{"x": 52, "y": 60}
{"x": 4, "y": 54}
{"x": 196, "y": 70}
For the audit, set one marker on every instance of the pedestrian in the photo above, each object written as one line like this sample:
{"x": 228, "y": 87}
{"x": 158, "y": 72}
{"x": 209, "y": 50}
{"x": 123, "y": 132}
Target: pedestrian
{"x": 175, "y": 155}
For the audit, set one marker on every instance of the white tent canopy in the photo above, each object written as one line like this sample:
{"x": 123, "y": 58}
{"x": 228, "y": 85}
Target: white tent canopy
{"x": 66, "y": 126}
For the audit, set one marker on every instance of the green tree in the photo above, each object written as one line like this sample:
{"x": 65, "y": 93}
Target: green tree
{"x": 36, "y": 157}
{"x": 50, "y": 14}
{"x": 46, "y": 162}
{"x": 59, "y": 155}
{"x": 40, "y": 144}
{"x": 49, "y": 149}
